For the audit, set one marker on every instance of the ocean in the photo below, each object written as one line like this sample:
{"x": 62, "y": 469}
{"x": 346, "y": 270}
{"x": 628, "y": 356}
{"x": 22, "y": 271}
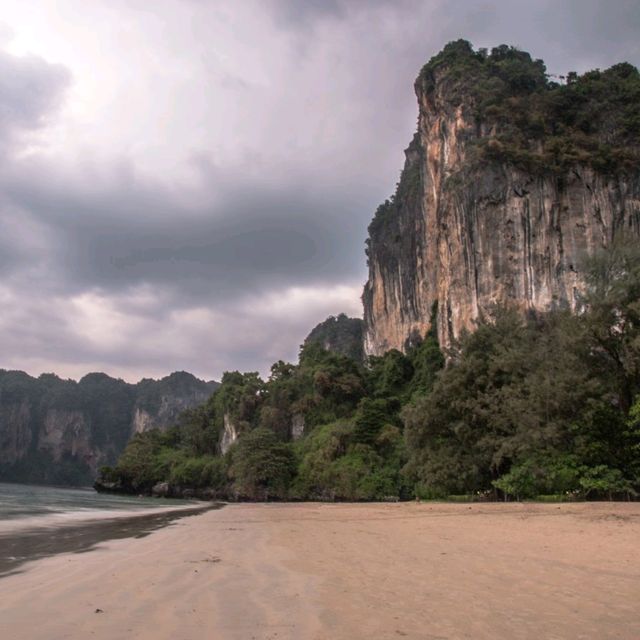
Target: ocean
{"x": 36, "y": 521}
{"x": 27, "y": 505}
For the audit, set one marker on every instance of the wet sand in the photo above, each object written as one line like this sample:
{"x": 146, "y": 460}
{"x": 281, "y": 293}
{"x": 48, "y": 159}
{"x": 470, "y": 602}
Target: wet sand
{"x": 17, "y": 547}
{"x": 288, "y": 571}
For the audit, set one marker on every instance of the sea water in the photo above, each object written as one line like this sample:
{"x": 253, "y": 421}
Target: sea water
{"x": 37, "y": 522}
{"x": 28, "y": 506}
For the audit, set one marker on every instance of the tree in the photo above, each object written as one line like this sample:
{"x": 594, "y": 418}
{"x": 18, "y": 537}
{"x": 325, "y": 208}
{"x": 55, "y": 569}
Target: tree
{"x": 516, "y": 391}
{"x": 603, "y": 480}
{"x": 612, "y": 321}
{"x": 519, "y": 482}
{"x": 372, "y": 415}
{"x": 262, "y": 466}
{"x": 390, "y": 374}
{"x": 138, "y": 466}
{"x": 427, "y": 359}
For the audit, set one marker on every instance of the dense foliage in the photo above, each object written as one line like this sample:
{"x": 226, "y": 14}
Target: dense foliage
{"x": 526, "y": 118}
{"x": 544, "y": 407}
{"x": 408, "y": 193}
{"x": 350, "y": 444}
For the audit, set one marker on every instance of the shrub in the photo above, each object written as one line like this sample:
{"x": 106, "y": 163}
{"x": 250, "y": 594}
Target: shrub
{"x": 262, "y": 466}
{"x": 202, "y": 472}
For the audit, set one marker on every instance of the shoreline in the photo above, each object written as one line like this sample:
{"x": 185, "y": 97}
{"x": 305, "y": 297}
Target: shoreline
{"x": 346, "y": 571}
{"x": 26, "y": 541}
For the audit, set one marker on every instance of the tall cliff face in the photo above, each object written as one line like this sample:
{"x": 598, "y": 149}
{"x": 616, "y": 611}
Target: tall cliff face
{"x": 508, "y": 183}
{"x": 60, "y": 431}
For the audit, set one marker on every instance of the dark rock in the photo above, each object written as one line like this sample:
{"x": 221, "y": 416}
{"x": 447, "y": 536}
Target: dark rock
{"x": 161, "y": 490}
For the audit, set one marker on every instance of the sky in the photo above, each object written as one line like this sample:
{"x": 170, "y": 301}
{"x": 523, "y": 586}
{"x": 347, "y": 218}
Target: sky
{"x": 187, "y": 184}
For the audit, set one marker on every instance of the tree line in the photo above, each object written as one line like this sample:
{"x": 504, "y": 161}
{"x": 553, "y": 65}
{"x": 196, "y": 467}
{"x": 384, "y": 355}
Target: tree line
{"x": 542, "y": 407}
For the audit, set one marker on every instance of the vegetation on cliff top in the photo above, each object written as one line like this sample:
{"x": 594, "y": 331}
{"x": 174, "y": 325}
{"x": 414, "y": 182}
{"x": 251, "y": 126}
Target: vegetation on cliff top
{"x": 96, "y": 412}
{"x": 524, "y": 408}
{"x": 409, "y": 191}
{"x": 340, "y": 334}
{"x": 536, "y": 123}
{"x": 521, "y": 116}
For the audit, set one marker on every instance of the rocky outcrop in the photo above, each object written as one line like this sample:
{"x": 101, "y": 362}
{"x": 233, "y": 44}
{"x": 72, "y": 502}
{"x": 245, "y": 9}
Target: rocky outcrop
{"x": 167, "y": 410}
{"x": 161, "y": 490}
{"x": 66, "y": 432}
{"x": 229, "y": 434}
{"x": 61, "y": 432}
{"x": 142, "y": 420}
{"x": 465, "y": 231}
{"x": 339, "y": 334}
{"x": 15, "y": 436}
{"x": 297, "y": 426}
{"x": 159, "y": 403}
{"x": 400, "y": 291}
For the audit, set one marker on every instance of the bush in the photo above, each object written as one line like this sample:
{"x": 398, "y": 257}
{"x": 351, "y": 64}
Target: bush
{"x": 262, "y": 466}
{"x": 202, "y": 472}
{"x": 137, "y": 467}
{"x": 519, "y": 482}
{"x": 602, "y": 481}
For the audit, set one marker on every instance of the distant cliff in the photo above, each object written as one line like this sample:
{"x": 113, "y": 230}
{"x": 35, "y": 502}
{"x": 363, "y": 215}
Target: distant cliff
{"x": 339, "y": 334}
{"x": 61, "y": 431}
{"x": 510, "y": 180}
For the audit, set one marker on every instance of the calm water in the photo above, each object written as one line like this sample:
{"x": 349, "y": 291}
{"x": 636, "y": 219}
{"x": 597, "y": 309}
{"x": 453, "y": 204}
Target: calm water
{"x": 27, "y": 505}
{"x": 37, "y": 522}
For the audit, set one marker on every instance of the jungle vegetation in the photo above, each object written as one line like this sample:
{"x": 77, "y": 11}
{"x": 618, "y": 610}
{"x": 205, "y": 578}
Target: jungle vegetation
{"x": 545, "y": 406}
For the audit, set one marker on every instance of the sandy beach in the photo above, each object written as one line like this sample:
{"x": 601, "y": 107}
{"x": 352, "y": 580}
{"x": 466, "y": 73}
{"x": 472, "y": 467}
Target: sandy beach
{"x": 270, "y": 571}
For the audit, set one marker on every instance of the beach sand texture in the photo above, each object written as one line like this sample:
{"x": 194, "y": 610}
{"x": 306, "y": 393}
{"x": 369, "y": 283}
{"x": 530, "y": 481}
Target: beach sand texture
{"x": 297, "y": 571}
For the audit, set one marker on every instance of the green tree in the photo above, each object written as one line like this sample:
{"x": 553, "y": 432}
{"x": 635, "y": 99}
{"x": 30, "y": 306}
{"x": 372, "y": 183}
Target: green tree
{"x": 519, "y": 482}
{"x": 604, "y": 481}
{"x": 515, "y": 391}
{"x": 390, "y": 374}
{"x": 612, "y": 323}
{"x": 262, "y": 466}
{"x": 372, "y": 415}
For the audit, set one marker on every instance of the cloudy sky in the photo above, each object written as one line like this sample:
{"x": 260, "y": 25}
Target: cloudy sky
{"x": 186, "y": 184}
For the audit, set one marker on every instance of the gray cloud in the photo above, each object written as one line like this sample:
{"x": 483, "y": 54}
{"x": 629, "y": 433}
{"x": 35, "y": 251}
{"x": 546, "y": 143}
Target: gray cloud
{"x": 128, "y": 235}
{"x": 30, "y": 90}
{"x": 205, "y": 203}
{"x": 296, "y": 14}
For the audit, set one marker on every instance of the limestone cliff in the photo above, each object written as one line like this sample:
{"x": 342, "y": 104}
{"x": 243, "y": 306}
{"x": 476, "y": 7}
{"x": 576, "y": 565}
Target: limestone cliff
{"x": 509, "y": 181}
{"x": 229, "y": 434}
{"x": 60, "y": 431}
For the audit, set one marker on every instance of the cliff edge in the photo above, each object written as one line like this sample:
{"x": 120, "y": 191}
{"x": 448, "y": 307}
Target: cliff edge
{"x": 510, "y": 180}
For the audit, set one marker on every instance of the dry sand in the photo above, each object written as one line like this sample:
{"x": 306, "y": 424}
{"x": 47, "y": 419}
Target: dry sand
{"x": 346, "y": 571}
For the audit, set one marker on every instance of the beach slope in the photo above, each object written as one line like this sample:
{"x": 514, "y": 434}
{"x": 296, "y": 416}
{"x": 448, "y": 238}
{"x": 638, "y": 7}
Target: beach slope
{"x": 279, "y": 571}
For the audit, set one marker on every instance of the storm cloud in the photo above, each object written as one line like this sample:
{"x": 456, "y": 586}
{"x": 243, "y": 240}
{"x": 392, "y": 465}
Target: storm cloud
{"x": 187, "y": 184}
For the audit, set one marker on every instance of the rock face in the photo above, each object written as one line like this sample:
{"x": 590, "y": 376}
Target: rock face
{"x": 463, "y": 233}
{"x": 160, "y": 402}
{"x": 229, "y": 434}
{"x": 297, "y": 426}
{"x": 15, "y": 436}
{"x": 60, "y": 431}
